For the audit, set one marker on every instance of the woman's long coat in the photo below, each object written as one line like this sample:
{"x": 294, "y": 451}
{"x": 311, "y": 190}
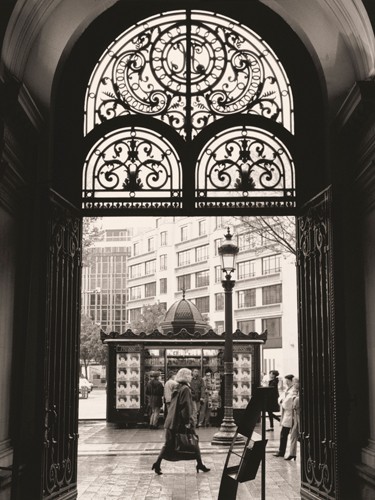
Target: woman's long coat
{"x": 287, "y": 408}
{"x": 180, "y": 412}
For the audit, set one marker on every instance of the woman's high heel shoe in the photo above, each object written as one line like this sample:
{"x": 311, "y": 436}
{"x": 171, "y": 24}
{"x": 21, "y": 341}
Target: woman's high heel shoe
{"x": 203, "y": 468}
{"x": 156, "y": 468}
{"x": 291, "y": 457}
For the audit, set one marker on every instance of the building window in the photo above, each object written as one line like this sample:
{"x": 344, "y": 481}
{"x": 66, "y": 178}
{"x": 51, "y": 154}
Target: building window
{"x": 219, "y": 327}
{"x": 163, "y": 238}
{"x": 135, "y": 271}
{"x": 150, "y": 289}
{"x": 219, "y": 301}
{"x": 163, "y": 285}
{"x": 201, "y": 253}
{"x": 218, "y": 274}
{"x": 246, "y": 326}
{"x": 218, "y": 222}
{"x": 150, "y": 244}
{"x": 202, "y": 278}
{"x": 272, "y": 294}
{"x": 246, "y": 241}
{"x": 246, "y": 298}
{"x": 163, "y": 262}
{"x": 246, "y": 269}
{"x": 217, "y": 244}
{"x": 150, "y": 267}
{"x": 202, "y": 227}
{"x": 271, "y": 264}
{"x": 183, "y": 258}
{"x": 203, "y": 304}
{"x": 134, "y": 314}
{"x": 273, "y": 327}
{"x": 135, "y": 292}
{"x": 136, "y": 249}
{"x": 184, "y": 233}
{"x": 183, "y": 282}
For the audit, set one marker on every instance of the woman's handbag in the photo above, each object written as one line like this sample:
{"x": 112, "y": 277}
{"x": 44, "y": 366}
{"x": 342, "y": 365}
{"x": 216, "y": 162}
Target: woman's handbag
{"x": 187, "y": 442}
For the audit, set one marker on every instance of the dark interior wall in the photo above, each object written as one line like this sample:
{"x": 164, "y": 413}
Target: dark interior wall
{"x": 352, "y": 150}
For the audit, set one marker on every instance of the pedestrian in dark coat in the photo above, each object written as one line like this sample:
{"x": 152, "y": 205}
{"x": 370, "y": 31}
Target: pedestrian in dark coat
{"x": 273, "y": 404}
{"x": 154, "y": 393}
{"x": 179, "y": 420}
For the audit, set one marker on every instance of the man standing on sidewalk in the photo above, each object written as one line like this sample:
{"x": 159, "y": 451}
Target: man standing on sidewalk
{"x": 154, "y": 393}
{"x": 197, "y": 392}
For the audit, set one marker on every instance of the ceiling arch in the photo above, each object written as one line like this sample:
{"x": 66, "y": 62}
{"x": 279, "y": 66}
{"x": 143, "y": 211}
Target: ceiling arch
{"x": 41, "y": 33}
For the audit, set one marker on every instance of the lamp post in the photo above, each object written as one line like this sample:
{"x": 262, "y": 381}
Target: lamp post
{"x": 228, "y": 253}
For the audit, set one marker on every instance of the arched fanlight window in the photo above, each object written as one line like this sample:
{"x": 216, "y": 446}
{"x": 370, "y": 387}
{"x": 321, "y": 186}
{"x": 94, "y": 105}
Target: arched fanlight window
{"x": 245, "y": 167}
{"x": 188, "y": 69}
{"x": 132, "y": 167}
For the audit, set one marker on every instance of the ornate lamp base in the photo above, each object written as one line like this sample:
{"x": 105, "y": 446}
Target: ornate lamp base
{"x": 226, "y": 433}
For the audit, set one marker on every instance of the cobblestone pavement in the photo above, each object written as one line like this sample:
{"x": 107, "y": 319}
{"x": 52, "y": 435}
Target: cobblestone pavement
{"x": 115, "y": 463}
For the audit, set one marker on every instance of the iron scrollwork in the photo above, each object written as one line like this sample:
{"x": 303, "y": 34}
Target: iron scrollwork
{"x": 188, "y": 69}
{"x": 61, "y": 370}
{"x": 244, "y": 162}
{"x": 132, "y": 164}
{"x": 318, "y": 410}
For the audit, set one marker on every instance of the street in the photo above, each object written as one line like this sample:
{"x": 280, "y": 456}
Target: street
{"x": 94, "y": 407}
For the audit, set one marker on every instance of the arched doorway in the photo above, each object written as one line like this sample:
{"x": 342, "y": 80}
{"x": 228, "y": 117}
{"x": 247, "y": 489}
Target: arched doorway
{"x": 158, "y": 150}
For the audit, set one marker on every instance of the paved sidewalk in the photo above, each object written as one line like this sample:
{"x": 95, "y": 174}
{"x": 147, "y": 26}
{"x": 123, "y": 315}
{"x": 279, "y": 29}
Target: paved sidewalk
{"x": 115, "y": 463}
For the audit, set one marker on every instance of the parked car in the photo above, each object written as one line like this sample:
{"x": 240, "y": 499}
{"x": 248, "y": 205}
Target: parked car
{"x": 83, "y": 382}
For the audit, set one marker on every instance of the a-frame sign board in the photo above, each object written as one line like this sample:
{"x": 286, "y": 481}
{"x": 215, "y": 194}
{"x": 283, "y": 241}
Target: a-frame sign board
{"x": 252, "y": 453}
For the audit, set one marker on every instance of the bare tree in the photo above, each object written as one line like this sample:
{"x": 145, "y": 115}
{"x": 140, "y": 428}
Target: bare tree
{"x": 277, "y": 233}
{"x": 149, "y": 319}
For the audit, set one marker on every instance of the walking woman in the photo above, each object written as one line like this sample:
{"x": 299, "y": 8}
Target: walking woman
{"x": 179, "y": 420}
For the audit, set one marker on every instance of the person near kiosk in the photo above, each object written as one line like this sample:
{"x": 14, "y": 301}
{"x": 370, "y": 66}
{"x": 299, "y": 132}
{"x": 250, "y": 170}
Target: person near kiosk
{"x": 197, "y": 393}
{"x": 286, "y": 420}
{"x": 154, "y": 394}
{"x": 169, "y": 386}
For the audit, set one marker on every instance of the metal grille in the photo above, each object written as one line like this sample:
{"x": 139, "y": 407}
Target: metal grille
{"x": 245, "y": 162}
{"x": 61, "y": 367}
{"x": 318, "y": 350}
{"x": 188, "y": 69}
{"x": 132, "y": 167}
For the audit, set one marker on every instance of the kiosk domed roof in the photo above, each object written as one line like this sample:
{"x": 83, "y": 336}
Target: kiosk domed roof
{"x": 183, "y": 314}
{"x": 183, "y": 310}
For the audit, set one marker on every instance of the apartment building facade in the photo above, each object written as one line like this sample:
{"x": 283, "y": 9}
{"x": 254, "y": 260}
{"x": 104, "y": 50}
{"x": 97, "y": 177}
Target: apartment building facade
{"x": 180, "y": 255}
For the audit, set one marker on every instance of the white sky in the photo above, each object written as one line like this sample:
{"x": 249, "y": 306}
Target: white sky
{"x": 127, "y": 222}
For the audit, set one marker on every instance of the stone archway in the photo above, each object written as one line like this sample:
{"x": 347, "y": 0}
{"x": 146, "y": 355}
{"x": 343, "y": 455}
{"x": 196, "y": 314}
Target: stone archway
{"x": 57, "y": 285}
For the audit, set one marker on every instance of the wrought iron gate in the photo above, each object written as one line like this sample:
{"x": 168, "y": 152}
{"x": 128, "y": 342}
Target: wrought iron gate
{"x": 317, "y": 350}
{"x": 61, "y": 358}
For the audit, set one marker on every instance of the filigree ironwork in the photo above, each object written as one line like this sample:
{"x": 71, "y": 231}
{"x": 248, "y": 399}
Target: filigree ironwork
{"x": 132, "y": 166}
{"x": 245, "y": 162}
{"x": 188, "y": 69}
{"x": 60, "y": 439}
{"x": 318, "y": 341}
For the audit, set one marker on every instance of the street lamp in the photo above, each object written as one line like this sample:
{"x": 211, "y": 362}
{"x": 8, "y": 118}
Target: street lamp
{"x": 228, "y": 253}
